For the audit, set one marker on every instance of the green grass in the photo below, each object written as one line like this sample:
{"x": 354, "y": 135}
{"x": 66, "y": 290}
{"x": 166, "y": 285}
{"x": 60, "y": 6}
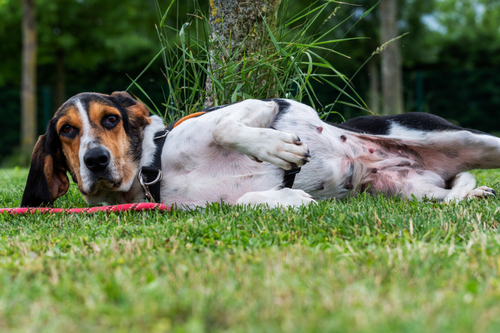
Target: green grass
{"x": 361, "y": 265}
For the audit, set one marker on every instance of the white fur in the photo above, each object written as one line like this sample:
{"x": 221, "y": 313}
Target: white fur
{"x": 248, "y": 132}
{"x": 85, "y": 143}
{"x": 148, "y": 145}
{"x": 204, "y": 158}
{"x": 198, "y": 170}
{"x": 462, "y": 185}
{"x": 285, "y": 197}
{"x": 237, "y": 155}
{"x": 88, "y": 141}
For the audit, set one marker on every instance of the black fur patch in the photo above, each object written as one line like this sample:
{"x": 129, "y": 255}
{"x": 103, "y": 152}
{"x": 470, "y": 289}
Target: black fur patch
{"x": 37, "y": 192}
{"x": 131, "y": 127}
{"x": 427, "y": 122}
{"x": 381, "y": 125}
{"x": 283, "y": 107}
{"x": 367, "y": 124}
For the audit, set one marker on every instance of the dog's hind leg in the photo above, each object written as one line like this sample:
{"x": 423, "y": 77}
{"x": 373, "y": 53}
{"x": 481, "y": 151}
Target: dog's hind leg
{"x": 464, "y": 150}
{"x": 463, "y": 186}
{"x": 440, "y": 146}
{"x": 245, "y": 128}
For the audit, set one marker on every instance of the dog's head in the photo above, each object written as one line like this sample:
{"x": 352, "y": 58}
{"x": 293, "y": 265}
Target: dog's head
{"x": 97, "y": 138}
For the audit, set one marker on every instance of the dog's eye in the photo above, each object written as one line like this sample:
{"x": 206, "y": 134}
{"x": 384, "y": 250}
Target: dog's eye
{"x": 68, "y": 130}
{"x": 110, "y": 121}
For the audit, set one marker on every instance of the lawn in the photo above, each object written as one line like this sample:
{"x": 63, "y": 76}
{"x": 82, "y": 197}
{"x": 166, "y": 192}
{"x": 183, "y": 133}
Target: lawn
{"x": 367, "y": 264}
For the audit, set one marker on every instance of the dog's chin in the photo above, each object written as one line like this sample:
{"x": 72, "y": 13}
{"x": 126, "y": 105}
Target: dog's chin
{"x": 102, "y": 185}
{"x": 107, "y": 191}
{"x": 104, "y": 192}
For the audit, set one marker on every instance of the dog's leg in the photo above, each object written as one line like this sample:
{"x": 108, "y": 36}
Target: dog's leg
{"x": 245, "y": 128}
{"x": 276, "y": 198}
{"x": 463, "y": 186}
{"x": 426, "y": 184}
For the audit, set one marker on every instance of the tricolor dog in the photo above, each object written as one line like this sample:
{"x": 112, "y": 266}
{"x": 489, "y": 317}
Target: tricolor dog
{"x": 247, "y": 153}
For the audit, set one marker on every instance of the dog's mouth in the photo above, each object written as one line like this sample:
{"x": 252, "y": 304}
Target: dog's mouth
{"x": 101, "y": 184}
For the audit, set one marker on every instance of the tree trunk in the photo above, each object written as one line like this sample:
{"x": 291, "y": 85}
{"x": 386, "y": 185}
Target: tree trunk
{"x": 28, "y": 88}
{"x": 61, "y": 79}
{"x": 231, "y": 21}
{"x": 392, "y": 85}
{"x": 374, "y": 85}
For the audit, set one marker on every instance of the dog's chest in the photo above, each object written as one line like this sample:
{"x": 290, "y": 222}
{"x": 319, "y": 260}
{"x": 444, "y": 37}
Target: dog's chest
{"x": 197, "y": 170}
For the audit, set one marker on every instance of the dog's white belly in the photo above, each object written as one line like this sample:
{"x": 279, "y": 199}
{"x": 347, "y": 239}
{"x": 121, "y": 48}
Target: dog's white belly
{"x": 219, "y": 181}
{"x": 326, "y": 173}
{"x": 198, "y": 171}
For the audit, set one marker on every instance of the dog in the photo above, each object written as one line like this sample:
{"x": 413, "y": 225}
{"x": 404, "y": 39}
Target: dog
{"x": 248, "y": 153}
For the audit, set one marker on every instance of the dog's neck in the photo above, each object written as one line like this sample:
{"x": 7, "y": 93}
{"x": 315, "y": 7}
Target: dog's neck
{"x": 148, "y": 144}
{"x": 136, "y": 192}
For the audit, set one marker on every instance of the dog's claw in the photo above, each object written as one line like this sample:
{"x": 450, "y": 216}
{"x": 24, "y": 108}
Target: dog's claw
{"x": 482, "y": 192}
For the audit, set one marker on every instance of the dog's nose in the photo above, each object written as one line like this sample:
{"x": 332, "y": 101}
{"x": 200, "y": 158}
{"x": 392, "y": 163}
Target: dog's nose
{"x": 96, "y": 159}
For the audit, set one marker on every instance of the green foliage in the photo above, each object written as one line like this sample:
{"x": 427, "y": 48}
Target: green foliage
{"x": 295, "y": 57}
{"x": 89, "y": 33}
{"x": 468, "y": 36}
{"x": 467, "y": 97}
{"x": 362, "y": 265}
{"x": 11, "y": 41}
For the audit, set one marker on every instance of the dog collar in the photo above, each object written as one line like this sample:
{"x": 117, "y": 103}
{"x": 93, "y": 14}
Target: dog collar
{"x": 150, "y": 176}
{"x": 289, "y": 177}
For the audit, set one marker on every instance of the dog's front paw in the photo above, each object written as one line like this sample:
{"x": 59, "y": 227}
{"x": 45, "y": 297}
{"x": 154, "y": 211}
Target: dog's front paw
{"x": 285, "y": 197}
{"x": 282, "y": 149}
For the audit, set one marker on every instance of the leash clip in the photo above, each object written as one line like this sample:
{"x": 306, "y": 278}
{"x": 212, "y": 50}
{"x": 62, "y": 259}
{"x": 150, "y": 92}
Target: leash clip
{"x": 145, "y": 185}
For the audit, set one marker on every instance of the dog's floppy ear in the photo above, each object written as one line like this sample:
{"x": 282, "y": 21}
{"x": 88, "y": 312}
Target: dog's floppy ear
{"x": 47, "y": 179}
{"x": 136, "y": 109}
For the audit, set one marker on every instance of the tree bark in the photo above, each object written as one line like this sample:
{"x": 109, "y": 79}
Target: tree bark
{"x": 374, "y": 85}
{"x": 392, "y": 78}
{"x": 230, "y": 22}
{"x": 28, "y": 85}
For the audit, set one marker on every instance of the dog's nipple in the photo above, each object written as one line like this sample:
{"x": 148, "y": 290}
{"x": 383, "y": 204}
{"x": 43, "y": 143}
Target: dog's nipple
{"x": 343, "y": 138}
{"x": 349, "y": 186}
{"x": 371, "y": 150}
{"x": 320, "y": 129}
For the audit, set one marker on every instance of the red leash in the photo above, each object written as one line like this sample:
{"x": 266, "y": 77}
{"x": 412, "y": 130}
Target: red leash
{"x": 137, "y": 207}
